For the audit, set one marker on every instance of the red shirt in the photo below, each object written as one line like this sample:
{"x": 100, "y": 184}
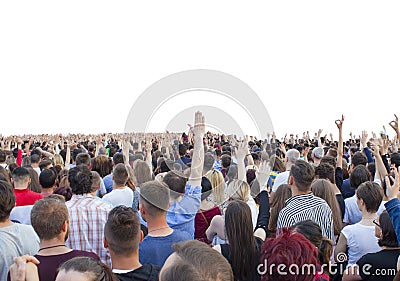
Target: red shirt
{"x": 202, "y": 222}
{"x": 26, "y": 197}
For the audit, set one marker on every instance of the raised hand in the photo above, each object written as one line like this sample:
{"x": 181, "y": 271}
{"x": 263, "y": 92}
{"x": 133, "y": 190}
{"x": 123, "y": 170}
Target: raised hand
{"x": 241, "y": 150}
{"x": 199, "y": 128}
{"x": 263, "y": 174}
{"x": 339, "y": 123}
{"x": 364, "y": 137}
{"x": 392, "y": 190}
{"x": 395, "y": 123}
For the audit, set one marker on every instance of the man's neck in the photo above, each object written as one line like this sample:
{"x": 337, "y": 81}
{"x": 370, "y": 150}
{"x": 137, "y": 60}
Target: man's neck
{"x": 118, "y": 186}
{"x": 158, "y": 227}
{"x": 48, "y": 190}
{"x": 130, "y": 262}
{"x": 49, "y": 244}
{"x": 20, "y": 187}
{"x": 296, "y": 192}
{"x": 288, "y": 166}
{"x": 6, "y": 223}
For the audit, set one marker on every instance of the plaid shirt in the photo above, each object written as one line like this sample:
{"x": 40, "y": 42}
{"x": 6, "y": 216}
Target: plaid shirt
{"x": 87, "y": 217}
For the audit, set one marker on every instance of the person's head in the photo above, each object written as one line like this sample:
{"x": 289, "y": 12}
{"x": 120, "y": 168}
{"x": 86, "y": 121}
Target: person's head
{"x": 154, "y": 200}
{"x": 277, "y": 164}
{"x": 122, "y": 232}
{"x": 102, "y": 165}
{"x": 50, "y": 220}
{"x": 218, "y": 185}
{"x": 21, "y": 177}
{"x": 120, "y": 175}
{"x": 3, "y": 156}
{"x": 194, "y": 260}
{"x": 118, "y": 158}
{"x": 182, "y": 149}
{"x": 359, "y": 175}
{"x": 45, "y": 164}
{"x": 83, "y": 159}
{"x": 142, "y": 172}
{"x": 64, "y": 191}
{"x": 358, "y": 159}
{"x": 317, "y": 154}
{"x": 239, "y": 231}
{"x": 324, "y": 189}
{"x": 47, "y": 178}
{"x": 206, "y": 188}
{"x": 301, "y": 176}
{"x": 26, "y": 161}
{"x": 35, "y": 159}
{"x": 96, "y": 181}
{"x": 34, "y": 184}
{"x": 7, "y": 200}
{"x": 175, "y": 183}
{"x": 325, "y": 171}
{"x": 80, "y": 179}
{"x": 292, "y": 155}
{"x": 395, "y": 160}
{"x": 58, "y": 160}
{"x": 238, "y": 190}
{"x": 85, "y": 269}
{"x": 208, "y": 162}
{"x": 329, "y": 160}
{"x": 4, "y": 174}
{"x": 384, "y": 231}
{"x": 313, "y": 233}
{"x": 282, "y": 194}
{"x": 369, "y": 196}
{"x": 225, "y": 161}
{"x": 288, "y": 249}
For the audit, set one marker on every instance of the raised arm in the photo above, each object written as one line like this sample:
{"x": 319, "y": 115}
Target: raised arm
{"x": 198, "y": 150}
{"x": 240, "y": 153}
{"x": 339, "y": 124}
{"x": 395, "y": 125}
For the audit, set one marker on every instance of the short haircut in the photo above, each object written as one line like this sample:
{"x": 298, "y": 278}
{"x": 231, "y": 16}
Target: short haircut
{"x": 7, "y": 200}
{"x": 120, "y": 174}
{"x": 359, "y": 175}
{"x": 91, "y": 268}
{"x": 182, "y": 148}
{"x": 20, "y": 174}
{"x": 303, "y": 175}
{"x": 176, "y": 183}
{"x": 197, "y": 261}
{"x": 155, "y": 198}
{"x": 122, "y": 231}
{"x": 44, "y": 163}
{"x": 371, "y": 193}
{"x": 292, "y": 155}
{"x": 3, "y": 156}
{"x": 328, "y": 159}
{"x": 48, "y": 216}
{"x": 359, "y": 159}
{"x": 395, "y": 159}
{"x": 47, "y": 178}
{"x": 35, "y": 158}
{"x": 118, "y": 158}
{"x": 389, "y": 238}
{"x": 325, "y": 171}
{"x": 96, "y": 181}
{"x": 225, "y": 161}
{"x": 80, "y": 179}
{"x": 83, "y": 159}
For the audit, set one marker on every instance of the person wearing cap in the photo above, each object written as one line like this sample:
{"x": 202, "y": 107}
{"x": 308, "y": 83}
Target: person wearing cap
{"x": 316, "y": 155}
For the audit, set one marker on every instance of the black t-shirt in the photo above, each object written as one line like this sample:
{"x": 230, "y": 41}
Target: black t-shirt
{"x": 340, "y": 200}
{"x": 147, "y": 272}
{"x": 380, "y": 266}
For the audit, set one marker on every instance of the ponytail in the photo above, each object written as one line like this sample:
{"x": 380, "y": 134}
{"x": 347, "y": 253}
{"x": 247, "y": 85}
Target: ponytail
{"x": 325, "y": 251}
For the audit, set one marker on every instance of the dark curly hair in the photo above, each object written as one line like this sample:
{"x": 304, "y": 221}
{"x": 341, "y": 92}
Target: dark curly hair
{"x": 80, "y": 179}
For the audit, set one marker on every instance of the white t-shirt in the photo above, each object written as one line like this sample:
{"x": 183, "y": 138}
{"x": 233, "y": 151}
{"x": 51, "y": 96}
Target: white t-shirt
{"x": 281, "y": 178}
{"x": 361, "y": 240}
{"x": 16, "y": 240}
{"x": 118, "y": 197}
{"x": 254, "y": 210}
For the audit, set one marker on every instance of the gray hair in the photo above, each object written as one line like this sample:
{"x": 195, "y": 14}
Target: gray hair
{"x": 292, "y": 155}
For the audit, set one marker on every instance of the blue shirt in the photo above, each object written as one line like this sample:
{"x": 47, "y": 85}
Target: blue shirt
{"x": 156, "y": 250}
{"x": 347, "y": 190}
{"x": 217, "y": 165}
{"x": 108, "y": 182}
{"x": 181, "y": 214}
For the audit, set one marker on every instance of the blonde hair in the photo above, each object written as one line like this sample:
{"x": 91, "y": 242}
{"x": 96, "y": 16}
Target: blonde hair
{"x": 239, "y": 190}
{"x": 58, "y": 160}
{"x": 218, "y": 185}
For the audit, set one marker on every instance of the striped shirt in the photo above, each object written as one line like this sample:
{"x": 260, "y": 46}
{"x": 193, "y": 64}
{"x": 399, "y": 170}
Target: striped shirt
{"x": 87, "y": 217}
{"x": 307, "y": 207}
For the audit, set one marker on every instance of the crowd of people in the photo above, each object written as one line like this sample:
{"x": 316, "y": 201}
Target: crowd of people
{"x": 200, "y": 206}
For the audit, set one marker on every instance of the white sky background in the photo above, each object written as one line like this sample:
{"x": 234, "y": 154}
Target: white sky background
{"x": 78, "y": 66}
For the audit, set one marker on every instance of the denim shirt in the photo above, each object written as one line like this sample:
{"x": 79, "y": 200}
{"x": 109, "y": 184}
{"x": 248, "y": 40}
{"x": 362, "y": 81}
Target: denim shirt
{"x": 393, "y": 209}
{"x": 181, "y": 214}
